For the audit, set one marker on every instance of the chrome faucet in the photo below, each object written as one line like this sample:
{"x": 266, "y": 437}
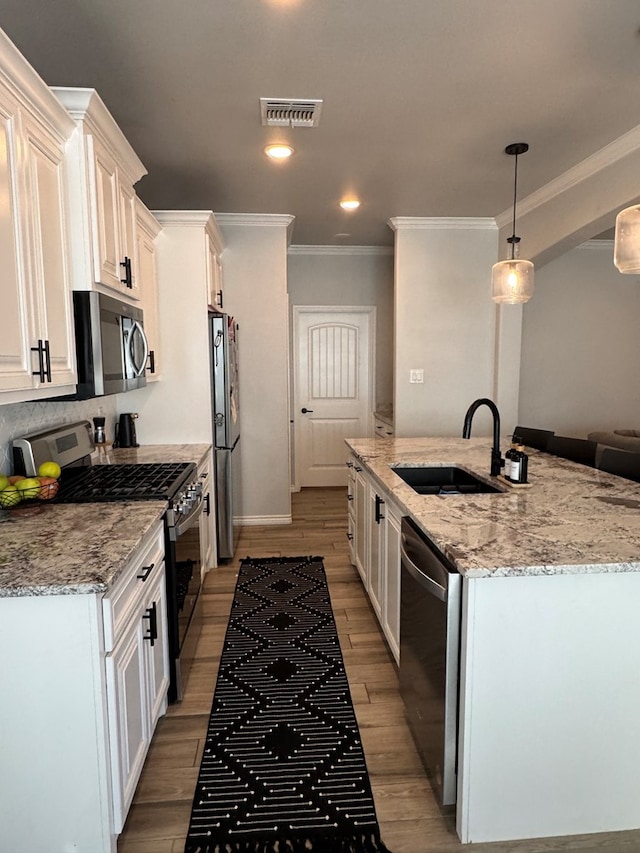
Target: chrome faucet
{"x": 496, "y": 459}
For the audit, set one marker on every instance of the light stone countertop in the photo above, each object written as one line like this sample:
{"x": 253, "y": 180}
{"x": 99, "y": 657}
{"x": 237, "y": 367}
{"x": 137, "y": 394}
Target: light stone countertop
{"x": 573, "y": 519}
{"x": 66, "y": 549}
{"x": 107, "y": 455}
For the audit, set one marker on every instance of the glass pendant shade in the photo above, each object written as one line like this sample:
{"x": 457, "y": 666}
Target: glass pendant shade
{"x": 626, "y": 248}
{"x": 512, "y": 281}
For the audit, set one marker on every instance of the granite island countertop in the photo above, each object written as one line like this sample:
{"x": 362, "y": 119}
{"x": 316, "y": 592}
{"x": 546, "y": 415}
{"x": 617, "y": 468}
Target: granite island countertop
{"x": 67, "y": 549}
{"x": 573, "y": 519}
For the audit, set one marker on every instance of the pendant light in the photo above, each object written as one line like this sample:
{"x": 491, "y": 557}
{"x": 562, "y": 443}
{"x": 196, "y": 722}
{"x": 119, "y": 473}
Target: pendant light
{"x": 626, "y": 247}
{"x": 512, "y": 280}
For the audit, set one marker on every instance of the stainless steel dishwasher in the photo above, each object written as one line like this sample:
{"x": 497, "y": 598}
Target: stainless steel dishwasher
{"x": 429, "y": 656}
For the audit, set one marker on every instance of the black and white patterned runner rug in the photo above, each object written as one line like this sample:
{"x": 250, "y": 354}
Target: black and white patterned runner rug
{"x": 283, "y": 767}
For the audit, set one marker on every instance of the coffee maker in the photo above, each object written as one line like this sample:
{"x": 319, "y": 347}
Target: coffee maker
{"x": 125, "y": 430}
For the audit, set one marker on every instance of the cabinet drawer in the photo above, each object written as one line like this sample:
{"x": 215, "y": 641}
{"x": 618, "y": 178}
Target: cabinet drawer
{"x": 130, "y": 587}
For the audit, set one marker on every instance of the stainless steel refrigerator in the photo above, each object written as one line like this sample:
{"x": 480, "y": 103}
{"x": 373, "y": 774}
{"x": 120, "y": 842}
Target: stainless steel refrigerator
{"x": 223, "y": 338}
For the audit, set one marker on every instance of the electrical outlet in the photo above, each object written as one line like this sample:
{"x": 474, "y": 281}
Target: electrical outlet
{"x": 416, "y": 375}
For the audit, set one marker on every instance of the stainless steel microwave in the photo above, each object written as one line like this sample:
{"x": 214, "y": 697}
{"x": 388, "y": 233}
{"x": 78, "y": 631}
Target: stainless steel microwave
{"x": 111, "y": 347}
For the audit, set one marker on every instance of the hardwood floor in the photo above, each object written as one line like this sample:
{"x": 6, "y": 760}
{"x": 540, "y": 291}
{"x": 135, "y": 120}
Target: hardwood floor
{"x": 410, "y": 820}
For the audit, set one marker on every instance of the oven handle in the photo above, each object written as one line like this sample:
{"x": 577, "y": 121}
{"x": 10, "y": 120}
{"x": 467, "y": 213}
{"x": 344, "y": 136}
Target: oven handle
{"x": 186, "y": 522}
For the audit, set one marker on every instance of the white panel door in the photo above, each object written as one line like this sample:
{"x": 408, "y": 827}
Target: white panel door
{"x": 333, "y": 389}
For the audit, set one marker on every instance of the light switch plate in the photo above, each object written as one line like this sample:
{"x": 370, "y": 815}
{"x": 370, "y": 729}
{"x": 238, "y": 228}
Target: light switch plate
{"x": 416, "y": 375}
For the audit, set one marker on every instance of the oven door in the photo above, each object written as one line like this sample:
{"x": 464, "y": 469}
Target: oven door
{"x": 184, "y": 604}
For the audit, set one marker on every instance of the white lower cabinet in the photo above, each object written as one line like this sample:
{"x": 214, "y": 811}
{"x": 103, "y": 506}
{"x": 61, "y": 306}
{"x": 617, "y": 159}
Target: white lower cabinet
{"x": 207, "y": 519}
{"x": 82, "y": 690}
{"x": 377, "y": 549}
{"x": 362, "y": 526}
{"x": 137, "y": 668}
{"x": 351, "y": 511}
{"x": 391, "y": 610}
{"x": 128, "y": 716}
{"x": 374, "y": 530}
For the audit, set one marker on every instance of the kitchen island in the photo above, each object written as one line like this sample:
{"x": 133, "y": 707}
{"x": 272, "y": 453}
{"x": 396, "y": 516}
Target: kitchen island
{"x": 548, "y": 740}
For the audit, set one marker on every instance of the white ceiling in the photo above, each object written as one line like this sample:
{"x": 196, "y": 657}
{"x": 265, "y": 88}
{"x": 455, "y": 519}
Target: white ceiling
{"x": 420, "y": 98}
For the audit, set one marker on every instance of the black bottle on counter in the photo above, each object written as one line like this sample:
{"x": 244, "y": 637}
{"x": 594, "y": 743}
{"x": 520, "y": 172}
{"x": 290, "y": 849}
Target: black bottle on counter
{"x": 519, "y": 465}
{"x": 508, "y": 459}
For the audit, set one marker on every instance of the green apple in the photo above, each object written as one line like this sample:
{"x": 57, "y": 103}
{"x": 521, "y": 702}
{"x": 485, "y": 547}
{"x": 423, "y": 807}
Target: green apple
{"x": 28, "y": 488}
{"x": 49, "y": 469}
{"x": 4, "y": 482}
{"x": 10, "y": 496}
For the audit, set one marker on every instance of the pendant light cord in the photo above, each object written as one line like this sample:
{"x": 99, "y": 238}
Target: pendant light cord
{"x": 514, "y": 239}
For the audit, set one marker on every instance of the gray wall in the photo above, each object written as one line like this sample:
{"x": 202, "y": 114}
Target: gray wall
{"x": 255, "y": 288}
{"x": 581, "y": 345}
{"x": 326, "y": 275}
{"x": 447, "y": 326}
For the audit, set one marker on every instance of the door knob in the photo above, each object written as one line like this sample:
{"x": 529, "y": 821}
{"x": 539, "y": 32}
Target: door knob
{"x": 305, "y": 411}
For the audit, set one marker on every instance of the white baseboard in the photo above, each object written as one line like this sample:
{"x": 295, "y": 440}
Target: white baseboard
{"x": 255, "y": 520}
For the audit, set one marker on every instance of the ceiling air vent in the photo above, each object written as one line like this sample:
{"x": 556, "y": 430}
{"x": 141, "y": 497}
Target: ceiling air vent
{"x": 285, "y": 112}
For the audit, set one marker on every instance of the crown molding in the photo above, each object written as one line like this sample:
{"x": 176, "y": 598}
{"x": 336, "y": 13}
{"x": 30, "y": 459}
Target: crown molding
{"x": 193, "y": 218}
{"x": 623, "y": 146}
{"x": 261, "y": 220}
{"x": 340, "y": 250}
{"x": 256, "y": 219}
{"x": 441, "y": 223}
{"x": 88, "y": 110}
{"x": 201, "y": 219}
{"x": 30, "y": 90}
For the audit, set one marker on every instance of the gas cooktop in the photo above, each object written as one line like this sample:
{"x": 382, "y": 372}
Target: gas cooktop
{"x": 140, "y": 482}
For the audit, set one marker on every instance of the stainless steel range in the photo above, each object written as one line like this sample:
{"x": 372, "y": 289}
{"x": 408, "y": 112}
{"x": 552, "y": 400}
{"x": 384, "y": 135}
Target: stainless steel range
{"x": 176, "y": 483}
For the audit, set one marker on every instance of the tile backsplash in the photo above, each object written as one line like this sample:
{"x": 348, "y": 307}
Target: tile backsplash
{"x": 22, "y": 418}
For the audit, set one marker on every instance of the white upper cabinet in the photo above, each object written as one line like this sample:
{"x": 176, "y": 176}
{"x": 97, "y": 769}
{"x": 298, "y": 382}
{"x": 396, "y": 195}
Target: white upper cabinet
{"x": 37, "y": 356}
{"x": 147, "y": 229}
{"x": 215, "y": 247}
{"x": 103, "y": 171}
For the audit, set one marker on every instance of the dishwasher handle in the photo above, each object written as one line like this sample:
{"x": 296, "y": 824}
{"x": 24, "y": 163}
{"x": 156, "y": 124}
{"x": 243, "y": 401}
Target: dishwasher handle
{"x": 424, "y": 580}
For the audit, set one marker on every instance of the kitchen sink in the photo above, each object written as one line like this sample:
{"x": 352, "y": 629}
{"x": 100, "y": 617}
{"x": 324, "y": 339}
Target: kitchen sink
{"x": 446, "y": 480}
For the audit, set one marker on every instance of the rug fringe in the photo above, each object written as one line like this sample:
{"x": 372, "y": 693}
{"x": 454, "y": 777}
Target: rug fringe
{"x": 369, "y": 843}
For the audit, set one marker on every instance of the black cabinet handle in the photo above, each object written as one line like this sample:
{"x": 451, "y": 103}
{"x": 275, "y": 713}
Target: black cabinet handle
{"x": 40, "y": 372}
{"x": 349, "y": 464}
{"x": 379, "y": 503}
{"x": 219, "y": 295}
{"x": 152, "y": 361}
{"x": 127, "y": 280}
{"x": 349, "y": 497}
{"x": 207, "y": 504}
{"x": 358, "y": 469}
{"x": 349, "y": 536}
{"x": 47, "y": 358}
{"x": 152, "y": 615}
{"x": 306, "y": 411}
{"x": 146, "y": 571}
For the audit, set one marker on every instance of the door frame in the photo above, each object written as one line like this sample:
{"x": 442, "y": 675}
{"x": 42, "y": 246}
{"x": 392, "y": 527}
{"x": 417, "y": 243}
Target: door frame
{"x": 368, "y": 311}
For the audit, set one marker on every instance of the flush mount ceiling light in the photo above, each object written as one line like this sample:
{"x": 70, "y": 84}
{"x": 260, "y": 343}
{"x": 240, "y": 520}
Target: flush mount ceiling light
{"x": 626, "y": 247}
{"x": 512, "y": 280}
{"x": 279, "y": 151}
{"x": 350, "y": 204}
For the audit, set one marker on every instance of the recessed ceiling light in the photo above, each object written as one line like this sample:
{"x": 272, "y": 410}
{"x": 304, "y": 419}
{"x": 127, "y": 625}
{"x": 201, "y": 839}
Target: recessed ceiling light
{"x": 350, "y": 204}
{"x": 279, "y": 151}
